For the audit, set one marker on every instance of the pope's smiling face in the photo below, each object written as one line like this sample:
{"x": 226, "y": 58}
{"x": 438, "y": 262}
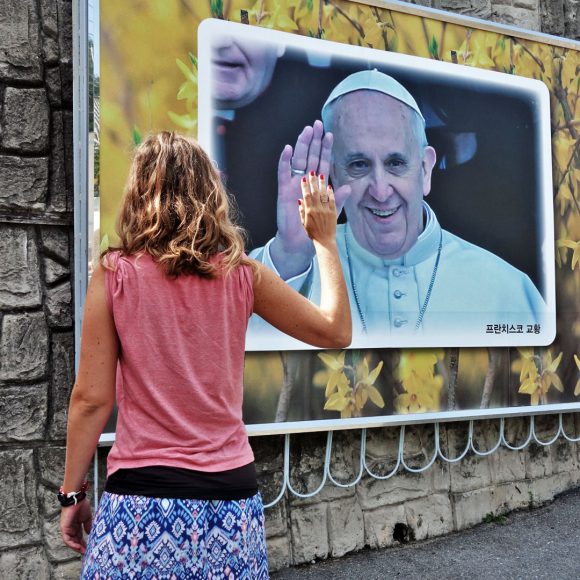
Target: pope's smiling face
{"x": 241, "y": 70}
{"x": 379, "y": 152}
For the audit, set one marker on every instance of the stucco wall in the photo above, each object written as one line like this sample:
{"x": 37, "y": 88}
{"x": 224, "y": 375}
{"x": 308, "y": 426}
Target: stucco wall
{"x": 37, "y": 347}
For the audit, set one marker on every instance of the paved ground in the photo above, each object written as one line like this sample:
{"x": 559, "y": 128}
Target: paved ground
{"x": 539, "y": 544}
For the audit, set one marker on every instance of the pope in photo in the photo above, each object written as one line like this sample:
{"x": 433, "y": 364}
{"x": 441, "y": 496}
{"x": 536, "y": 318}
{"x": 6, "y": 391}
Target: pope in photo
{"x": 405, "y": 274}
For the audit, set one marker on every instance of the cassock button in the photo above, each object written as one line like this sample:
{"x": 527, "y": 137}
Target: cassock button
{"x": 398, "y": 322}
{"x": 398, "y": 294}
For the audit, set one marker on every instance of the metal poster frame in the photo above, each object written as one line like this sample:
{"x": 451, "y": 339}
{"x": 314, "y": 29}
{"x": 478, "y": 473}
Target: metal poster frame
{"x": 464, "y": 85}
{"x": 85, "y": 23}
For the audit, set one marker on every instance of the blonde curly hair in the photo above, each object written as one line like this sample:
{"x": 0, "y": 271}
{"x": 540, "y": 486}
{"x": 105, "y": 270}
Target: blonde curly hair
{"x": 176, "y": 209}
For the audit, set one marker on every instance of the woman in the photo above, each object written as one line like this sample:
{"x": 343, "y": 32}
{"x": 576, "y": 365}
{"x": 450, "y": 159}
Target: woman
{"x": 163, "y": 332}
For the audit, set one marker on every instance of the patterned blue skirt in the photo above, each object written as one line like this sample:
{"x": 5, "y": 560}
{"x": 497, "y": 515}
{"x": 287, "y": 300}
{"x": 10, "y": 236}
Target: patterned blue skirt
{"x": 176, "y": 539}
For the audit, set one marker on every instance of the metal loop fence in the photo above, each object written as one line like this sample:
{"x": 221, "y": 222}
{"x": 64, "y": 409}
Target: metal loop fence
{"x": 402, "y": 463}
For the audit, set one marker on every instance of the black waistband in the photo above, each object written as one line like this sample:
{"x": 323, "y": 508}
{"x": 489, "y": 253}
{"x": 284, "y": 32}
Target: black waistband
{"x": 179, "y": 483}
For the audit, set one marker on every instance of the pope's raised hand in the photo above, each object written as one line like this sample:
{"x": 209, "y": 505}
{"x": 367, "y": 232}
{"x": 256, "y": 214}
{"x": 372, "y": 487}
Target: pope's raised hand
{"x": 292, "y": 250}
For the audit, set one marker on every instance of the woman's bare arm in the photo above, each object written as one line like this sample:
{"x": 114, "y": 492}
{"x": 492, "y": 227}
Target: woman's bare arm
{"x": 328, "y": 325}
{"x": 91, "y": 404}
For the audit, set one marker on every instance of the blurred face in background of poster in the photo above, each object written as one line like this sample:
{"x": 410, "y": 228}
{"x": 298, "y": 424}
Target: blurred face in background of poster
{"x": 380, "y": 151}
{"x": 242, "y": 70}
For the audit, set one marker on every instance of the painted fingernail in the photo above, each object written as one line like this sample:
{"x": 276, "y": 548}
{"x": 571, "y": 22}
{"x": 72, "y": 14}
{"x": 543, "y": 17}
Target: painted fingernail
{"x": 312, "y": 174}
{"x": 299, "y": 202}
{"x": 322, "y": 177}
{"x": 304, "y": 180}
{"x": 330, "y": 187}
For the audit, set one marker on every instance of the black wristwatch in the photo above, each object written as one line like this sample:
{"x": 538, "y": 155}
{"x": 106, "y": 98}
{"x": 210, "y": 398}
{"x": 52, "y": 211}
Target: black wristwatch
{"x": 73, "y": 497}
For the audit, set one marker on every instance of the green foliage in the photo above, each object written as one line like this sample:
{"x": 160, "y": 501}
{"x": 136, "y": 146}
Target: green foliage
{"x": 355, "y": 357}
{"x": 434, "y": 48}
{"x": 137, "y": 136}
{"x": 491, "y": 518}
{"x": 104, "y": 243}
{"x": 217, "y": 8}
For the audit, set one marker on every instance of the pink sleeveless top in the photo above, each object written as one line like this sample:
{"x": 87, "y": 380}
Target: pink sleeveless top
{"x": 180, "y": 370}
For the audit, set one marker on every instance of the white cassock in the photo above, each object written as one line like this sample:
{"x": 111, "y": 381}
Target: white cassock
{"x": 443, "y": 292}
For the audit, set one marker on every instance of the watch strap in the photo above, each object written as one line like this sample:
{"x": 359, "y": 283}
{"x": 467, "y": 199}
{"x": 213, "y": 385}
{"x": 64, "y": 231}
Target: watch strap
{"x": 72, "y": 497}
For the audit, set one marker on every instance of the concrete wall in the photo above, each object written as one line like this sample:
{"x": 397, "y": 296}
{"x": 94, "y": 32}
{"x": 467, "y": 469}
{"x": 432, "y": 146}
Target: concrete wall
{"x": 37, "y": 347}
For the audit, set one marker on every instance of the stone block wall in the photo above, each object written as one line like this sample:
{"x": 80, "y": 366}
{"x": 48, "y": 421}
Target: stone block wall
{"x": 36, "y": 309}
{"x": 558, "y": 17}
{"x": 37, "y": 348}
{"x": 378, "y": 513}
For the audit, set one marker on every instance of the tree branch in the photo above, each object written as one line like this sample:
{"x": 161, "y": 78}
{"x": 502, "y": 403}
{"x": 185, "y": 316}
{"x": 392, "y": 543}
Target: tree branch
{"x": 355, "y": 24}
{"x": 531, "y": 55}
{"x": 562, "y": 97}
{"x": 286, "y": 392}
{"x": 494, "y": 355}
{"x": 453, "y": 370}
{"x": 383, "y": 28}
{"x": 442, "y": 38}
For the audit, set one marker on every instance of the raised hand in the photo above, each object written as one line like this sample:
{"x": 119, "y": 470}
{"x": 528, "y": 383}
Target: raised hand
{"x": 292, "y": 250}
{"x": 318, "y": 209}
{"x": 329, "y": 324}
{"x": 311, "y": 153}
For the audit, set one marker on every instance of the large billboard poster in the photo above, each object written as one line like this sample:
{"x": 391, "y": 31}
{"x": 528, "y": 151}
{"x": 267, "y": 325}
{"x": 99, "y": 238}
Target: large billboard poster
{"x": 480, "y": 314}
{"x": 481, "y": 272}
